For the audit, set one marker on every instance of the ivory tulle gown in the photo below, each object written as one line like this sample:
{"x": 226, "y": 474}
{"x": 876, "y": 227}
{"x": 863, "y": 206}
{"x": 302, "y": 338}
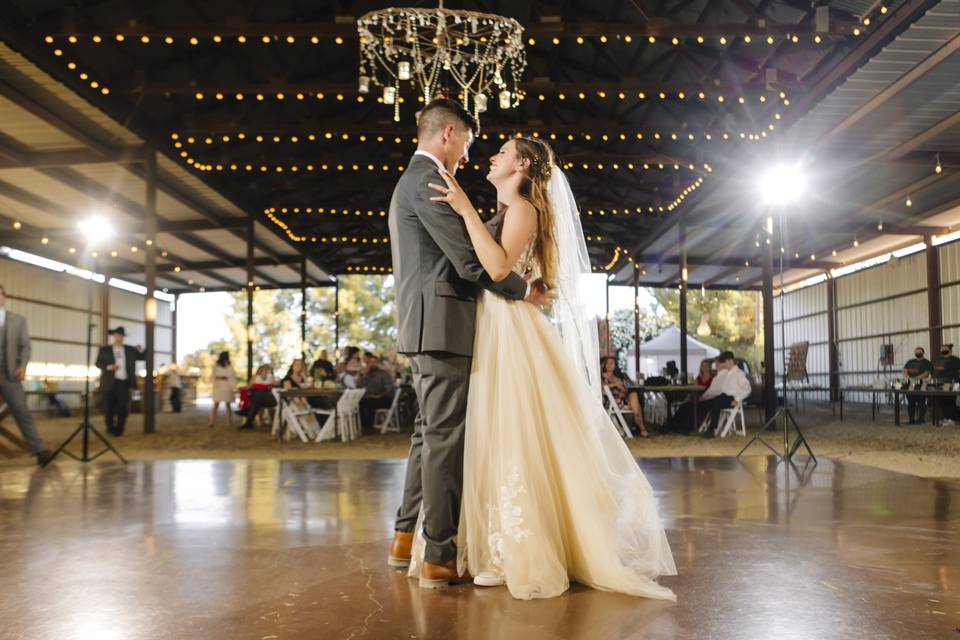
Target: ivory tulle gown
{"x": 551, "y": 493}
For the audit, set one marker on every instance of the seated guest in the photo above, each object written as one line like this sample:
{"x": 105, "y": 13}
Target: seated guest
{"x": 917, "y": 370}
{"x": 727, "y": 389}
{"x": 705, "y": 376}
{"x": 260, "y": 394}
{"x": 296, "y": 377}
{"x": 947, "y": 370}
{"x": 352, "y": 370}
{"x": 614, "y": 379}
{"x": 379, "y": 385}
{"x": 322, "y": 368}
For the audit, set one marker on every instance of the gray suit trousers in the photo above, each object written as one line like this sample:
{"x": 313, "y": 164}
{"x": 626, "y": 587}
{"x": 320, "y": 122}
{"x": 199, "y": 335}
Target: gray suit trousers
{"x": 17, "y": 401}
{"x": 435, "y": 463}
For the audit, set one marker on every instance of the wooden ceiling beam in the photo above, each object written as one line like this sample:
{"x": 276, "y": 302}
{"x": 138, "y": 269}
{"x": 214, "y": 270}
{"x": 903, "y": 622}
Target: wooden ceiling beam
{"x": 659, "y": 27}
{"x": 70, "y": 158}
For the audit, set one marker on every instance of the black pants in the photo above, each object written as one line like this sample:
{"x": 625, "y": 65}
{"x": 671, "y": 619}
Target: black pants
{"x": 175, "y": 403}
{"x": 260, "y": 399}
{"x": 915, "y": 403}
{"x": 948, "y": 408}
{"x": 714, "y": 406}
{"x": 116, "y": 405}
{"x": 368, "y": 409}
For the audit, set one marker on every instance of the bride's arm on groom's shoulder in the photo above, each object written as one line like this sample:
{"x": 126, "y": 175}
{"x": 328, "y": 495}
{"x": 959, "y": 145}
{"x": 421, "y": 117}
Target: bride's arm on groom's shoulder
{"x": 446, "y": 229}
{"x": 519, "y": 224}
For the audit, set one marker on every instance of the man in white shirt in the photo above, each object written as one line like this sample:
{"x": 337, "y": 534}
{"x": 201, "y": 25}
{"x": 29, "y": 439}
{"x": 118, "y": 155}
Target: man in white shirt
{"x": 728, "y": 389}
{"x": 118, "y": 376}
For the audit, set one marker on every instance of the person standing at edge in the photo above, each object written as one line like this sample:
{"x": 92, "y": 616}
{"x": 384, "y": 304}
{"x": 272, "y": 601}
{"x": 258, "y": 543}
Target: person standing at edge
{"x": 14, "y": 355}
{"x": 118, "y": 374}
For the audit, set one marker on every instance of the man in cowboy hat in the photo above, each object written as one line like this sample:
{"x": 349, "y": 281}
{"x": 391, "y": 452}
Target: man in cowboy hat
{"x": 118, "y": 375}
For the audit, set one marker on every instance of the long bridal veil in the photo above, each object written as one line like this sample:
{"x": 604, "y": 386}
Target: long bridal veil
{"x": 639, "y": 537}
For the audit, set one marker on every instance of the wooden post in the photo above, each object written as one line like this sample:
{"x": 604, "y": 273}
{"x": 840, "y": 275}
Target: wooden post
{"x": 606, "y": 323}
{"x": 173, "y": 336}
{"x": 833, "y": 355}
{"x": 682, "y": 228}
{"x": 769, "y": 360}
{"x": 150, "y": 280}
{"x": 934, "y": 307}
{"x": 303, "y": 308}
{"x": 336, "y": 317}
{"x": 250, "y": 245}
{"x": 636, "y": 322}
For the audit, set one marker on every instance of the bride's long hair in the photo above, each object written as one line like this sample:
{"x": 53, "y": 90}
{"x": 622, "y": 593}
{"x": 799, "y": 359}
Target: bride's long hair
{"x": 534, "y": 190}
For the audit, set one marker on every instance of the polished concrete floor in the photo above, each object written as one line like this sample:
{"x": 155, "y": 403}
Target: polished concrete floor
{"x": 288, "y": 550}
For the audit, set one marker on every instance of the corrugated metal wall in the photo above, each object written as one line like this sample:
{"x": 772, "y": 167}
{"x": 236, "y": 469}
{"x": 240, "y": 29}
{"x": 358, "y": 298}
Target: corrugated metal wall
{"x": 805, "y": 316}
{"x": 886, "y": 304}
{"x": 950, "y": 292}
{"x": 55, "y": 307}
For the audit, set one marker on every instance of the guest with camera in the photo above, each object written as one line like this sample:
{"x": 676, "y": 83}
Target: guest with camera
{"x": 118, "y": 375}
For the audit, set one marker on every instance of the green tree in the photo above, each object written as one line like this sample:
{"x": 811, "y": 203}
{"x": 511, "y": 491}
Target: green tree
{"x": 653, "y": 320}
{"x": 732, "y": 316}
{"x": 367, "y": 319}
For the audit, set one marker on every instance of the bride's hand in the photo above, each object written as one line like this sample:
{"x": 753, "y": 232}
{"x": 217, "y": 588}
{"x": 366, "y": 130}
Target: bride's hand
{"x": 453, "y": 194}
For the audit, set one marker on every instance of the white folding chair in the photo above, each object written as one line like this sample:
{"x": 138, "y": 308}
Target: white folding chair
{"x": 614, "y": 411}
{"x": 388, "y": 419}
{"x": 348, "y": 414}
{"x": 728, "y": 421}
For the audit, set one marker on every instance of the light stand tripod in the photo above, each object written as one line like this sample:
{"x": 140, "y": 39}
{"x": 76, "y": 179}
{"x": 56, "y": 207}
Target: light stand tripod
{"x": 85, "y": 428}
{"x": 782, "y": 414}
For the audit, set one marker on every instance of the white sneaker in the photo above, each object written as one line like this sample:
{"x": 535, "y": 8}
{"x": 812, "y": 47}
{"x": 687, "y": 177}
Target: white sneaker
{"x": 488, "y": 579}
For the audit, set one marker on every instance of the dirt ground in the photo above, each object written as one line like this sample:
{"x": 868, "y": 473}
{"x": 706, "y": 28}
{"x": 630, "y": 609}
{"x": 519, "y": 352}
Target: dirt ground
{"x": 925, "y": 451}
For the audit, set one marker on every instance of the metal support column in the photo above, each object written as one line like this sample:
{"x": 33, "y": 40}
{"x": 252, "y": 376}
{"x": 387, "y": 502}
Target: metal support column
{"x": 250, "y": 245}
{"x": 150, "y": 280}
{"x": 769, "y": 360}
{"x": 636, "y": 322}
{"x": 682, "y": 229}
{"x": 833, "y": 353}
{"x": 303, "y": 307}
{"x": 173, "y": 333}
{"x": 934, "y": 306}
{"x": 336, "y": 317}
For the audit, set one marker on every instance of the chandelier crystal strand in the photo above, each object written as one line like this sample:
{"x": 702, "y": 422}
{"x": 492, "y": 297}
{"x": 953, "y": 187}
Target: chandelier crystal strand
{"x": 440, "y": 51}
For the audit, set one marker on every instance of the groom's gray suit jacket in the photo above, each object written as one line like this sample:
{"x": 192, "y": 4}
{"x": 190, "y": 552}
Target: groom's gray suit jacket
{"x": 435, "y": 268}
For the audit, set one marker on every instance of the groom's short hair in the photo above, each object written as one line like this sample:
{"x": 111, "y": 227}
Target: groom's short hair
{"x": 441, "y": 112}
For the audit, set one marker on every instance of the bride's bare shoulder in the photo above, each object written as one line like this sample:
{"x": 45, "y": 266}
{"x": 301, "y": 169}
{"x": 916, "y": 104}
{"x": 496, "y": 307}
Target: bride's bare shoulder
{"x": 521, "y": 211}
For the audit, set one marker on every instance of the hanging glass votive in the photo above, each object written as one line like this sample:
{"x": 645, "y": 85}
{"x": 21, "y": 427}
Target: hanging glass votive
{"x": 364, "y": 84}
{"x": 389, "y": 95}
{"x": 403, "y": 70}
{"x": 480, "y": 100}
{"x": 505, "y": 99}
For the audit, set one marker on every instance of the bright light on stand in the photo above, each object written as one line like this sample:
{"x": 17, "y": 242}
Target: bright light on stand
{"x": 782, "y": 185}
{"x": 95, "y": 230}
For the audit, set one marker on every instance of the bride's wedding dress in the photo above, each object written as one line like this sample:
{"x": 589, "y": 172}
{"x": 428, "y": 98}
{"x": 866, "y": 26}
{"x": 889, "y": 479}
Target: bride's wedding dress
{"x": 551, "y": 493}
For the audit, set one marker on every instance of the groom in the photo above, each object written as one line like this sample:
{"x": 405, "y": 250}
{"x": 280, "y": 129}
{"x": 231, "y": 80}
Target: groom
{"x": 437, "y": 276}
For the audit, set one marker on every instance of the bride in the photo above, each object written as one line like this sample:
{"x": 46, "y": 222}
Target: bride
{"x": 550, "y": 491}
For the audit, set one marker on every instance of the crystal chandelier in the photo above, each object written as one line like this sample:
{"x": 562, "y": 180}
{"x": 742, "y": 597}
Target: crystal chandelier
{"x": 481, "y": 53}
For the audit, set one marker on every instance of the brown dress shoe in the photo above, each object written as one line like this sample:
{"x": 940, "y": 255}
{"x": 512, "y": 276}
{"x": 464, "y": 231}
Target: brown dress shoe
{"x": 399, "y": 556}
{"x": 438, "y": 576}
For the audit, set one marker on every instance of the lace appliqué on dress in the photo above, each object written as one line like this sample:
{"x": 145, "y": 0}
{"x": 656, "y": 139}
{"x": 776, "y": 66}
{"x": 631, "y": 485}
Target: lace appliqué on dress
{"x": 510, "y": 517}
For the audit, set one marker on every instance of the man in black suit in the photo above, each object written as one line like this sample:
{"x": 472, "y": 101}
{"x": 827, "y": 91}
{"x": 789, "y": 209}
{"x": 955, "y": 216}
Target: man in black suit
{"x": 118, "y": 374}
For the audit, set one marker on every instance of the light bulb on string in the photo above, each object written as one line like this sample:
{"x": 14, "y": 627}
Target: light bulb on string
{"x": 939, "y": 168}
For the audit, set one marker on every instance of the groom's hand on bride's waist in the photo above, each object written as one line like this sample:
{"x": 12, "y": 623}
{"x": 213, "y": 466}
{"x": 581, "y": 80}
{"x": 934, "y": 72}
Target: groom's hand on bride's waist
{"x": 539, "y": 295}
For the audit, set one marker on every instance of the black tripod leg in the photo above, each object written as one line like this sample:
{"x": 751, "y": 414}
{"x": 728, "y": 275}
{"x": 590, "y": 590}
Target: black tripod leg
{"x": 107, "y": 444}
{"x": 799, "y": 440}
{"x": 756, "y": 437}
{"x": 63, "y": 446}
